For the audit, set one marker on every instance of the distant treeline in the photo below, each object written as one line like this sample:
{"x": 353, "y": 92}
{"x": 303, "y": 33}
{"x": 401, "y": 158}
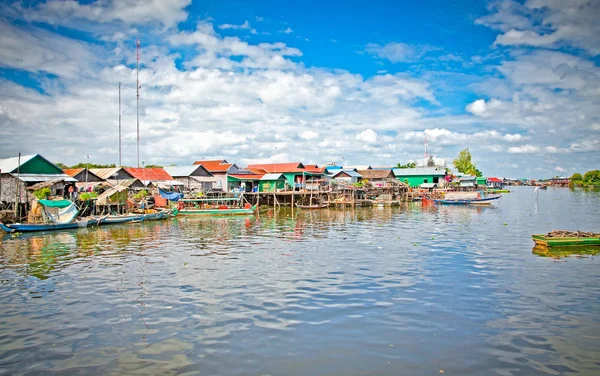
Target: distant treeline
{"x": 589, "y": 179}
{"x": 94, "y": 165}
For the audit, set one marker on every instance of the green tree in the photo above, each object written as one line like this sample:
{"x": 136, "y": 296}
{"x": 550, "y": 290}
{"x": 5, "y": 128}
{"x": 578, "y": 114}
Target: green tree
{"x": 153, "y": 166}
{"x": 464, "y": 164}
{"x": 408, "y": 165}
{"x": 592, "y": 178}
{"x": 93, "y": 165}
{"x": 575, "y": 180}
{"x": 62, "y": 165}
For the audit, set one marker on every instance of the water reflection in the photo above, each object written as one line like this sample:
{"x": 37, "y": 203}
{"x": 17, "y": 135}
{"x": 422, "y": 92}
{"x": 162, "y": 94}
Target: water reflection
{"x": 570, "y": 251}
{"x": 392, "y": 290}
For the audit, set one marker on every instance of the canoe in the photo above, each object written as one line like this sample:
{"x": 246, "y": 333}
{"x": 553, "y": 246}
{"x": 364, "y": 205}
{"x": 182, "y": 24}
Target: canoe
{"x": 24, "y": 227}
{"x": 566, "y": 251}
{"x": 224, "y": 211}
{"x": 544, "y": 241}
{"x": 118, "y": 219}
{"x": 310, "y": 207}
{"x": 498, "y": 190}
{"x": 476, "y": 201}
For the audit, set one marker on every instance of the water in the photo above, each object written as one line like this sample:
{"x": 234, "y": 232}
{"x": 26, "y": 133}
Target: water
{"x": 377, "y": 291}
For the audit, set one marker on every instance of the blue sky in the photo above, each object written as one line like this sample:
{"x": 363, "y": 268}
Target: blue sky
{"x": 353, "y": 83}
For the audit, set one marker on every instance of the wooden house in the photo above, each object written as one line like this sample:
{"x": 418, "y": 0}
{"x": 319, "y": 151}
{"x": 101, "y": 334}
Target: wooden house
{"x": 414, "y": 177}
{"x": 194, "y": 177}
{"x": 154, "y": 176}
{"x": 378, "y": 178}
{"x": 495, "y": 182}
{"x": 16, "y": 175}
{"x": 220, "y": 169}
{"x": 344, "y": 176}
{"x": 295, "y": 172}
{"x": 114, "y": 175}
{"x": 244, "y": 180}
{"x": 272, "y": 182}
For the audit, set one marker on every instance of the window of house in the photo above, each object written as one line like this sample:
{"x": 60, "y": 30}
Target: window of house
{"x": 425, "y": 181}
{"x": 436, "y": 180}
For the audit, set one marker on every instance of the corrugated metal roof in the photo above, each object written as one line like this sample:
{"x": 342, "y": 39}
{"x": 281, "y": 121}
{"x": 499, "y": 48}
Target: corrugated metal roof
{"x": 350, "y": 173}
{"x": 428, "y": 185}
{"x": 182, "y": 170}
{"x": 279, "y": 167}
{"x": 494, "y": 180}
{"x": 35, "y": 178}
{"x": 467, "y": 178}
{"x": 105, "y": 173}
{"x": 467, "y": 184}
{"x": 419, "y": 171}
{"x": 219, "y": 165}
{"x": 246, "y": 176}
{"x": 11, "y": 164}
{"x": 152, "y": 173}
{"x": 376, "y": 174}
{"x": 273, "y": 177}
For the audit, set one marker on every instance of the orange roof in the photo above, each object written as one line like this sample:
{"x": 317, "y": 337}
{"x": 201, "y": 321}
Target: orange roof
{"x": 314, "y": 168}
{"x": 279, "y": 167}
{"x": 247, "y": 176}
{"x": 152, "y": 174}
{"x": 72, "y": 171}
{"x": 217, "y": 165}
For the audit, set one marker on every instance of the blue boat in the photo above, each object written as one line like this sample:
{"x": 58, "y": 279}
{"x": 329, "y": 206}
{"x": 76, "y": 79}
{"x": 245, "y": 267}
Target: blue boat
{"x": 118, "y": 219}
{"x": 470, "y": 198}
{"x": 24, "y": 227}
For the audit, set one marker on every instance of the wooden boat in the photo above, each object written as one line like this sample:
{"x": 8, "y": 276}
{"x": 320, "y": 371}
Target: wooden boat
{"x": 498, "y": 191}
{"x": 118, "y": 219}
{"x": 468, "y": 199}
{"x": 216, "y": 206}
{"x": 566, "y": 251}
{"x": 313, "y": 206}
{"x": 24, "y": 227}
{"x": 545, "y": 241}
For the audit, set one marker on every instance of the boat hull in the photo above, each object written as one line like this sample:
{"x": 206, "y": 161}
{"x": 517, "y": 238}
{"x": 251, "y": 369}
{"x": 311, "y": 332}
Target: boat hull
{"x": 312, "y": 207}
{"x": 229, "y": 211}
{"x": 544, "y": 241}
{"x": 478, "y": 201}
{"x": 121, "y": 219}
{"x": 17, "y": 227}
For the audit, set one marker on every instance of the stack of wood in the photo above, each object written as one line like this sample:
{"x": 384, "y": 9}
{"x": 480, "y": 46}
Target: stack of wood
{"x": 7, "y": 216}
{"x": 572, "y": 234}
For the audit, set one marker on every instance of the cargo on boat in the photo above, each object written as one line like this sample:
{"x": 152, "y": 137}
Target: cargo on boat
{"x": 559, "y": 238}
{"x": 216, "y": 206}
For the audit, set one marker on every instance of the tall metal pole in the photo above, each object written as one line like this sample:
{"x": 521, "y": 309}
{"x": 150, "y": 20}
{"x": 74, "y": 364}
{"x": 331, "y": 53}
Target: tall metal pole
{"x": 137, "y": 65}
{"x": 18, "y": 192}
{"x": 120, "y": 124}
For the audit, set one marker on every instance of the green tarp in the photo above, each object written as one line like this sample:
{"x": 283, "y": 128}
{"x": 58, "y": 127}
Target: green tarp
{"x": 56, "y": 203}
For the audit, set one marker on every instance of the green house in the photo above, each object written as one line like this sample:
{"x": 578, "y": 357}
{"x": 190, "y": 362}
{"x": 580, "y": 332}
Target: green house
{"x": 481, "y": 180}
{"x": 414, "y": 177}
{"x": 272, "y": 182}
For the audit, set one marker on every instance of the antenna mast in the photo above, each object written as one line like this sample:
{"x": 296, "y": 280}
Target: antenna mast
{"x": 120, "y": 124}
{"x": 137, "y": 65}
{"x": 426, "y": 143}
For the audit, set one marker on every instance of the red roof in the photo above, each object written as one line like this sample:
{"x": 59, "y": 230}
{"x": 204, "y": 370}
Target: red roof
{"x": 247, "y": 176}
{"x": 72, "y": 171}
{"x": 152, "y": 174}
{"x": 217, "y": 165}
{"x": 314, "y": 168}
{"x": 494, "y": 180}
{"x": 278, "y": 167}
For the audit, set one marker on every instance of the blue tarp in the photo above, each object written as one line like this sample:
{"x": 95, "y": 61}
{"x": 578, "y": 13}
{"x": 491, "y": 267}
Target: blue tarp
{"x": 171, "y": 196}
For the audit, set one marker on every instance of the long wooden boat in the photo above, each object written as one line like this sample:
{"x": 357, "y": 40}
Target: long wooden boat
{"x": 498, "y": 190}
{"x": 311, "y": 207}
{"x": 542, "y": 240}
{"x": 118, "y": 219}
{"x": 24, "y": 227}
{"x": 216, "y": 206}
{"x": 477, "y": 201}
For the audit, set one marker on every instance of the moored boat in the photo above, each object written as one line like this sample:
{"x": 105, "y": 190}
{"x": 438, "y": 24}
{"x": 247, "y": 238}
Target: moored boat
{"x": 25, "y": 227}
{"x": 216, "y": 206}
{"x": 467, "y": 198}
{"x": 566, "y": 239}
{"x": 313, "y": 206}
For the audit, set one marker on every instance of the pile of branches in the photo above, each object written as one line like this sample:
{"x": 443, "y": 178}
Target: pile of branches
{"x": 572, "y": 234}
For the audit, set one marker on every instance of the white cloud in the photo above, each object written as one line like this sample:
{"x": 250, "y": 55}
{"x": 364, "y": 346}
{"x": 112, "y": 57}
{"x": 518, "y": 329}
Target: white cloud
{"x": 244, "y": 26}
{"x": 482, "y": 108}
{"x": 525, "y": 149}
{"x": 396, "y": 51}
{"x": 63, "y": 12}
{"x": 546, "y": 23}
{"x": 595, "y": 127}
{"x": 369, "y": 136}
{"x": 309, "y": 135}
{"x": 287, "y": 31}
{"x": 559, "y": 169}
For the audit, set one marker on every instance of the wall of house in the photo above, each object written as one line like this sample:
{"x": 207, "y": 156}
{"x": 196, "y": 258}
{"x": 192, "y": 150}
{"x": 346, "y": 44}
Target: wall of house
{"x": 221, "y": 183}
{"x": 416, "y": 181}
{"x": 90, "y": 177}
{"x": 271, "y": 185}
{"x": 8, "y": 189}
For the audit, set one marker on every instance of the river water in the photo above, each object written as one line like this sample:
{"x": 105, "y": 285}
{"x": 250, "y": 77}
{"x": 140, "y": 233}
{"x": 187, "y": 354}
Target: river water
{"x": 376, "y": 291}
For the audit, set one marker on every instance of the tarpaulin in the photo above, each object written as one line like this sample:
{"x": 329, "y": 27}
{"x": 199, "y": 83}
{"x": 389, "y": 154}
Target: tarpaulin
{"x": 56, "y": 203}
{"x": 171, "y": 196}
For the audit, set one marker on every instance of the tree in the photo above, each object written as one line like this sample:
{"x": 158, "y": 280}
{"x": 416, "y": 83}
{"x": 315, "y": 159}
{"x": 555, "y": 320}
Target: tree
{"x": 93, "y": 165}
{"x": 62, "y": 165}
{"x": 153, "y": 166}
{"x": 576, "y": 179}
{"x": 464, "y": 164}
{"x": 408, "y": 165}
{"x": 592, "y": 178}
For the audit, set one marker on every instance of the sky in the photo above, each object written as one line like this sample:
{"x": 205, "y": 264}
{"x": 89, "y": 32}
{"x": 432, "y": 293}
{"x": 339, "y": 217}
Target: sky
{"x": 516, "y": 82}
